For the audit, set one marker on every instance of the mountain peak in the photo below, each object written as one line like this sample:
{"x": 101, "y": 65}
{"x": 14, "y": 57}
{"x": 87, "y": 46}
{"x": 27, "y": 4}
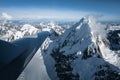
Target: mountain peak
{"x": 84, "y": 19}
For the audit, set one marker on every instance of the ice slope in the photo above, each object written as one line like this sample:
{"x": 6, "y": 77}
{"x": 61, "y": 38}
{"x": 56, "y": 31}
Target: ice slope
{"x": 35, "y": 70}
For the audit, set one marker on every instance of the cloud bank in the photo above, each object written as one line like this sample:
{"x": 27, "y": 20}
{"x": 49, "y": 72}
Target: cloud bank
{"x": 6, "y": 16}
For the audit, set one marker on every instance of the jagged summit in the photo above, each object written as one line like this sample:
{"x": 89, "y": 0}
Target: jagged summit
{"x": 77, "y": 38}
{"x": 80, "y": 30}
{"x": 83, "y": 20}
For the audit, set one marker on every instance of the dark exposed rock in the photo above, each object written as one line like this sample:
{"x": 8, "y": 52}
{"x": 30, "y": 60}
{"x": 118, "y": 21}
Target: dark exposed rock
{"x": 114, "y": 39}
{"x": 106, "y": 73}
{"x": 63, "y": 65}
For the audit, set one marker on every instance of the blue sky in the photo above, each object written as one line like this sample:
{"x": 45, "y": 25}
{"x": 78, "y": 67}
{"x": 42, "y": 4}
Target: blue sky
{"x": 69, "y": 9}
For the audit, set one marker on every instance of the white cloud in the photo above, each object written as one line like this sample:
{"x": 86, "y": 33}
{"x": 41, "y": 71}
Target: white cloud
{"x": 36, "y": 13}
{"x": 97, "y": 27}
{"x": 6, "y": 16}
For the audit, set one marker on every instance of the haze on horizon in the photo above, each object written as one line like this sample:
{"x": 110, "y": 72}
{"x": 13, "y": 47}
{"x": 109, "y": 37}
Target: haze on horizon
{"x": 60, "y": 9}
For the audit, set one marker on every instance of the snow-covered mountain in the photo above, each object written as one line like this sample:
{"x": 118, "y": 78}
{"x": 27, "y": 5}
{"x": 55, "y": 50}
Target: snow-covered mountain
{"x": 87, "y": 50}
